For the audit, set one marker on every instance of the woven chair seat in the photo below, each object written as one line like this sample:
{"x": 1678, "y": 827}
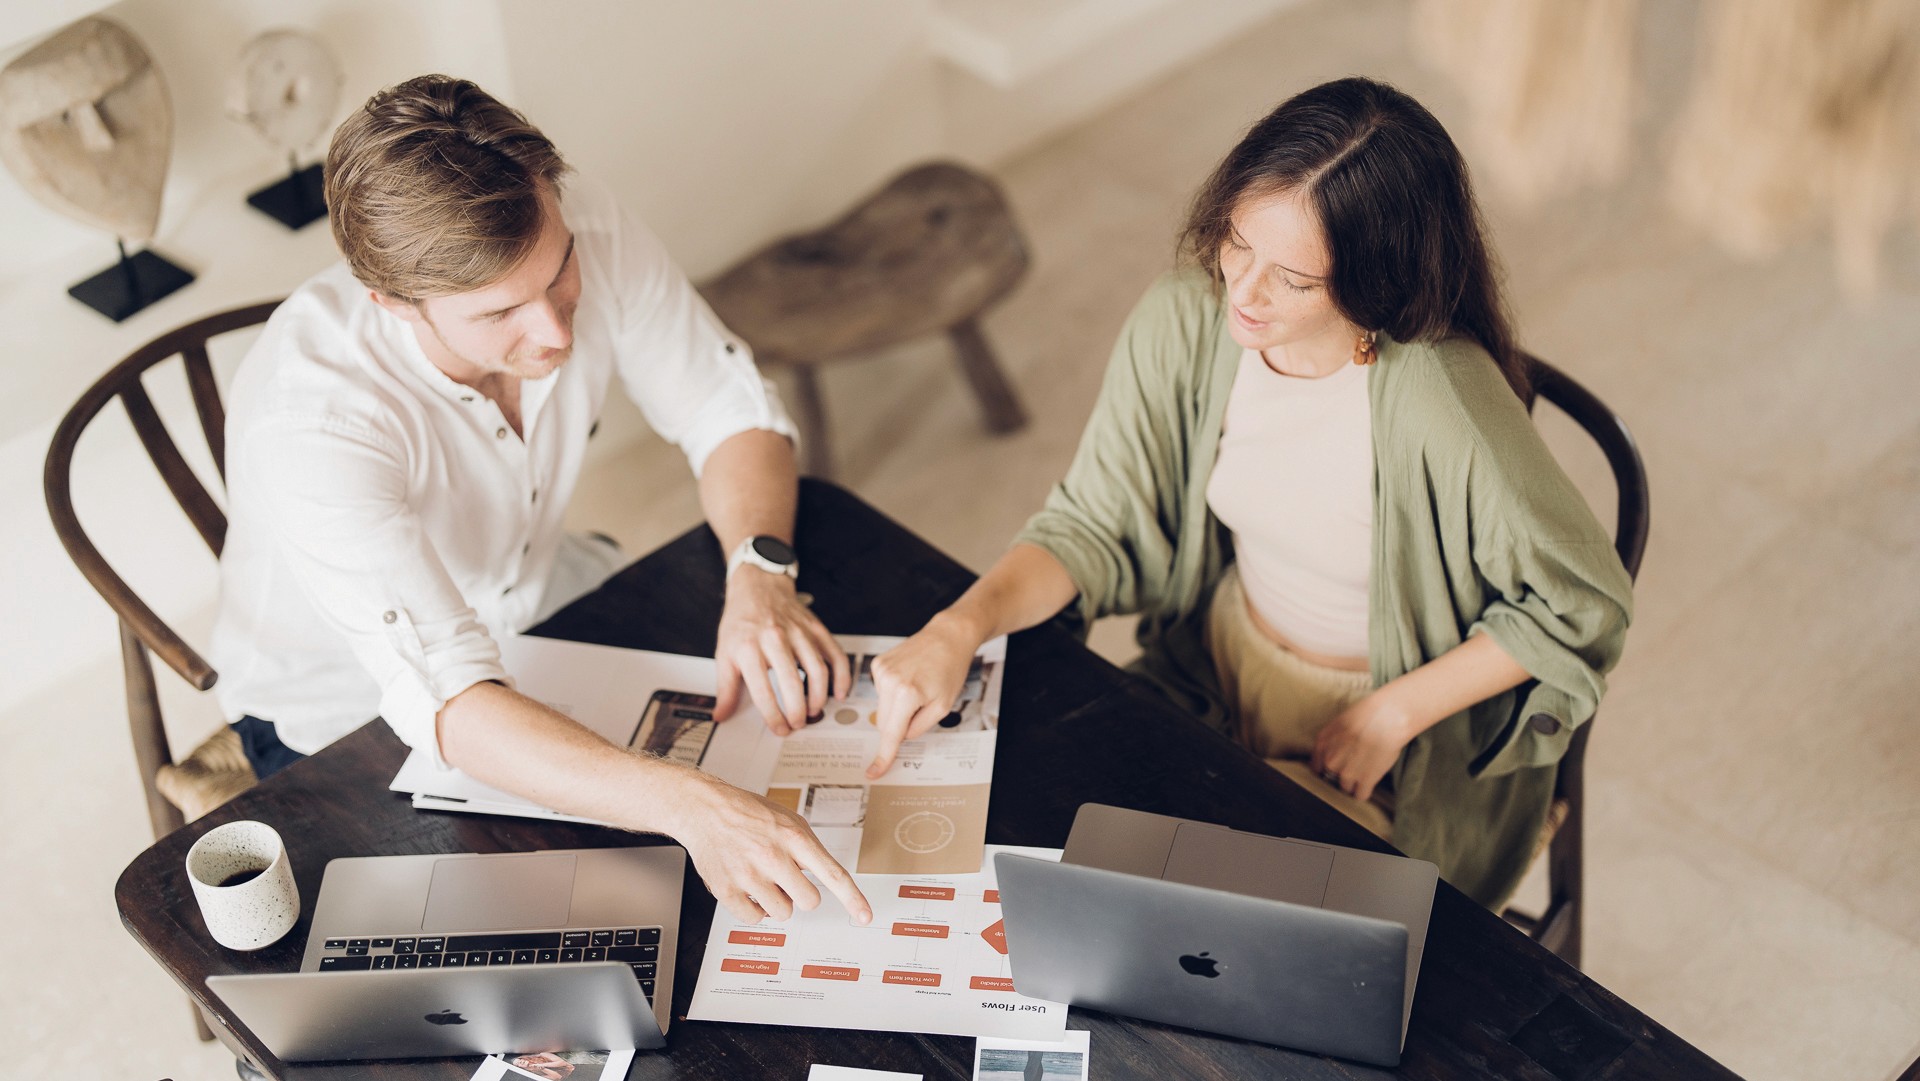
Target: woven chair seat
{"x": 214, "y": 773}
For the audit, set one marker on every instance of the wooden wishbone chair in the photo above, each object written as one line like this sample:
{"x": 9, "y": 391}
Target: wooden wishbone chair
{"x": 217, "y": 770}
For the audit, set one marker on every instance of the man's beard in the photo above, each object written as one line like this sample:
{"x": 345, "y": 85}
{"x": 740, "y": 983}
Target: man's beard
{"x": 509, "y": 365}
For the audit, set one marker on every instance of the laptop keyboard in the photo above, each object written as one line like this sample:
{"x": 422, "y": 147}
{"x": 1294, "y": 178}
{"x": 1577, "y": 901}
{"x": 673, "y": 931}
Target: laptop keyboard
{"x": 638, "y": 947}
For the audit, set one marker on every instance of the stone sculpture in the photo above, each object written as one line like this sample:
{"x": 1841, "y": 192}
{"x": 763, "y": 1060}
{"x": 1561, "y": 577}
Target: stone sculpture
{"x": 86, "y": 127}
{"x": 286, "y": 89}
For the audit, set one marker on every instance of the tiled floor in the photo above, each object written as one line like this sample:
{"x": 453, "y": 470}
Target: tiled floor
{"x": 1755, "y": 827}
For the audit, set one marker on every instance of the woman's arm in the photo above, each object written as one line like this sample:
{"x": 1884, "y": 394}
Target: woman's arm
{"x": 1101, "y": 537}
{"x": 1026, "y": 587}
{"x": 920, "y": 679}
{"x": 1359, "y": 746}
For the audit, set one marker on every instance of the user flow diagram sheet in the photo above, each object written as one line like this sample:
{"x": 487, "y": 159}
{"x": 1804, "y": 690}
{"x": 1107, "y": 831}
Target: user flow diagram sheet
{"x": 934, "y": 959}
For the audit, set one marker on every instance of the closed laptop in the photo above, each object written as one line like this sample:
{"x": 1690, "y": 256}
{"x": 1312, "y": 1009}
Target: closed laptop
{"x": 1283, "y": 941}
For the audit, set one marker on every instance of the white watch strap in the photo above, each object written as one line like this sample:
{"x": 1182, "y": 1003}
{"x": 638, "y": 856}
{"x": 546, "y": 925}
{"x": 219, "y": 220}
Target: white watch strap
{"x": 744, "y": 553}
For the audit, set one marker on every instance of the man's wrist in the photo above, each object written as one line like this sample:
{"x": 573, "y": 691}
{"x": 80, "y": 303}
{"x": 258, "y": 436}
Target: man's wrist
{"x": 670, "y": 787}
{"x": 764, "y": 552}
{"x": 750, "y": 579}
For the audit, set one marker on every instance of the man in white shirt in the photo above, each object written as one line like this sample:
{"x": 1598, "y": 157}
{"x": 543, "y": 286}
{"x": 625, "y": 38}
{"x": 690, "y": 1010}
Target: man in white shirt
{"x": 402, "y": 442}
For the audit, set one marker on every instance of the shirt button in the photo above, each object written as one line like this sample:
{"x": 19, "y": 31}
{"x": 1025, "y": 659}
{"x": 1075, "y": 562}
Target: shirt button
{"x": 506, "y": 591}
{"x": 1544, "y": 723}
{"x": 729, "y": 347}
{"x": 466, "y": 397}
{"x": 388, "y": 617}
{"x": 536, "y": 495}
{"x": 500, "y": 433}
{"x": 525, "y": 548}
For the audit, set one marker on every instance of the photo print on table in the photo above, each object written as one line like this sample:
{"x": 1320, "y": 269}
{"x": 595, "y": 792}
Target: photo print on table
{"x": 1027, "y": 1060}
{"x": 556, "y": 1066}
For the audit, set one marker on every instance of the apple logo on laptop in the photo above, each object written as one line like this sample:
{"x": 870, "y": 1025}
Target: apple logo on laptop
{"x": 447, "y": 1017}
{"x": 1201, "y": 965}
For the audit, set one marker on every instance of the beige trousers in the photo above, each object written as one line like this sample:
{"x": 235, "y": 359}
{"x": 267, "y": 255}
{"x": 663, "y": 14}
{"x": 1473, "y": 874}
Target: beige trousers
{"x": 1280, "y": 702}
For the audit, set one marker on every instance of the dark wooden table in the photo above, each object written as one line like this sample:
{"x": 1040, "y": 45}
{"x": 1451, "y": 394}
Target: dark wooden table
{"x": 1073, "y": 730}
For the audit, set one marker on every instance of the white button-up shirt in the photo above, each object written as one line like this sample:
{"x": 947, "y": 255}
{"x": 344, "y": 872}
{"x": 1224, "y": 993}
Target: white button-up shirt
{"x": 386, "y": 526}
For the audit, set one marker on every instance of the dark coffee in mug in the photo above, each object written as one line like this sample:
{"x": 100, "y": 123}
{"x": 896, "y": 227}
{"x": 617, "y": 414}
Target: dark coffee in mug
{"x": 243, "y": 884}
{"x": 238, "y": 877}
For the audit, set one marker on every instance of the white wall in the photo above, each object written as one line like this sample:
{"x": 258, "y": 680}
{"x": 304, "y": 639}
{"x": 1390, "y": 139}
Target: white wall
{"x": 991, "y": 120}
{"x": 726, "y": 122}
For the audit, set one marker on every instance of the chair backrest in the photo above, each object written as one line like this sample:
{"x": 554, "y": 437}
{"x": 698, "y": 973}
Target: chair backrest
{"x": 1616, "y": 442}
{"x": 1559, "y": 926}
{"x": 1632, "y": 504}
{"x": 140, "y": 629}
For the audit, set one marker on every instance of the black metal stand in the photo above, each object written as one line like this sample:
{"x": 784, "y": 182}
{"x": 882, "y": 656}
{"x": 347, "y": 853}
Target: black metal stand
{"x": 295, "y": 202}
{"x": 131, "y": 284}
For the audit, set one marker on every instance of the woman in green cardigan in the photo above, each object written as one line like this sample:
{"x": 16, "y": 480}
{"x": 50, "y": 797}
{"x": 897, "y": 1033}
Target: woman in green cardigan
{"x": 1312, "y": 473}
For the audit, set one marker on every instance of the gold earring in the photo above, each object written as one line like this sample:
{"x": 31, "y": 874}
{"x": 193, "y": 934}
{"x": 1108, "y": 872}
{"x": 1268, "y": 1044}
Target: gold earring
{"x": 1363, "y": 351}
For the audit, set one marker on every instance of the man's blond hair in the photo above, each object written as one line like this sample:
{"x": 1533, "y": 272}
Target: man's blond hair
{"x": 434, "y": 187}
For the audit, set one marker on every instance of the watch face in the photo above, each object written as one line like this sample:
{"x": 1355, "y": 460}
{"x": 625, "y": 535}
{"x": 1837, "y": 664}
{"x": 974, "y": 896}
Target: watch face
{"x": 773, "y": 550}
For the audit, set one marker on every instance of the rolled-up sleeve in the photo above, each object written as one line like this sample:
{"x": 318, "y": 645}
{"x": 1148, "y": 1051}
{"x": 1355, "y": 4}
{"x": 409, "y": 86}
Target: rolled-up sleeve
{"x": 333, "y": 495}
{"x": 694, "y": 381}
{"x": 1109, "y": 521}
{"x": 1560, "y": 605}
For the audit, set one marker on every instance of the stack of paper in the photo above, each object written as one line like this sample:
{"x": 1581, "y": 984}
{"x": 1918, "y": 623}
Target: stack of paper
{"x": 927, "y": 814}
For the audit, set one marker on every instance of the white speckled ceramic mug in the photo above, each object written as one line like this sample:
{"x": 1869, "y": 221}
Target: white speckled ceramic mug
{"x": 244, "y": 884}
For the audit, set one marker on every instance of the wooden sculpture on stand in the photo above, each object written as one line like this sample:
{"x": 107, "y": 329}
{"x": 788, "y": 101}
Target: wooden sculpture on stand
{"x": 286, "y": 89}
{"x": 86, "y": 127}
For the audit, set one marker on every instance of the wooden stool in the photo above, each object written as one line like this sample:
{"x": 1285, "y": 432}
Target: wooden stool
{"x": 928, "y": 252}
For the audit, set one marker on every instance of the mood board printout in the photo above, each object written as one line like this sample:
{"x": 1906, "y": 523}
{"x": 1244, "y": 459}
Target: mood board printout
{"x": 926, "y": 815}
{"x": 934, "y": 959}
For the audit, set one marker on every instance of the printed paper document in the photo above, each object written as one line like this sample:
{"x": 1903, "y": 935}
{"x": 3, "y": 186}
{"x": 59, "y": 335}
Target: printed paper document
{"x": 926, "y": 815}
{"x": 934, "y": 959}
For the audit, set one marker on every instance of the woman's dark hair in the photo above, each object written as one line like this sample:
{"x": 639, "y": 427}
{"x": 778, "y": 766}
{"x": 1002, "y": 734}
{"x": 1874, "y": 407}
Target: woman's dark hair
{"x": 1408, "y": 251}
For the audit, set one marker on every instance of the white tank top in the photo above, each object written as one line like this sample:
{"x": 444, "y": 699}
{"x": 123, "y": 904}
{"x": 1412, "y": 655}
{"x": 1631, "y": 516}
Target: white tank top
{"x": 1294, "y": 482}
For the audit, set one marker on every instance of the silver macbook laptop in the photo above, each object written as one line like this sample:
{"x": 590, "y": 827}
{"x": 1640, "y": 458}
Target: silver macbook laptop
{"x": 1287, "y": 942}
{"x": 520, "y": 923}
{"x": 429, "y": 1013}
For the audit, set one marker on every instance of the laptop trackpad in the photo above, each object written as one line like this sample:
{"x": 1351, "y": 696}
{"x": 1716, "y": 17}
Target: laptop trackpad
{"x": 1247, "y": 863}
{"x": 500, "y": 893}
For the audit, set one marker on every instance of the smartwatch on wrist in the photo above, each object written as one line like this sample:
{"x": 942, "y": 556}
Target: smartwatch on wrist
{"x": 770, "y": 554}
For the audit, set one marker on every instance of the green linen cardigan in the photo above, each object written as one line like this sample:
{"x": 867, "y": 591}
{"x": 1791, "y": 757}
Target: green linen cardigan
{"x": 1475, "y": 529}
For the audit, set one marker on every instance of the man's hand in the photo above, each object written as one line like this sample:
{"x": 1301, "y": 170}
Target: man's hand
{"x": 751, "y": 853}
{"x": 764, "y": 626}
{"x": 1359, "y": 746}
{"x": 919, "y": 680}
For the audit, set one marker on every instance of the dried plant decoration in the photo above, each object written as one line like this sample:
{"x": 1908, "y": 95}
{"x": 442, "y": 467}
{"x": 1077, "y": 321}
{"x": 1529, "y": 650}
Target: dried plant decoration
{"x": 1803, "y": 110}
{"x": 1549, "y": 86}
